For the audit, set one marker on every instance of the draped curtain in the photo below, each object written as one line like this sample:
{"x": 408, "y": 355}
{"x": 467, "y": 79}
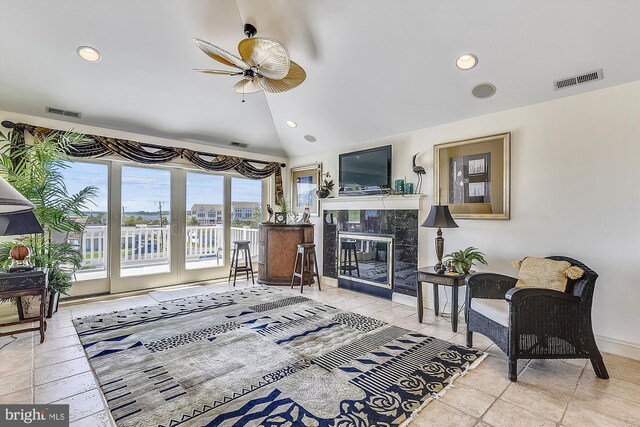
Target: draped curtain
{"x": 95, "y": 146}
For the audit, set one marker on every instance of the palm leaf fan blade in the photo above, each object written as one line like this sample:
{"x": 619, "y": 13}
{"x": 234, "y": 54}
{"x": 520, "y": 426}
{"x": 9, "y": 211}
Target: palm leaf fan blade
{"x": 269, "y": 56}
{"x": 294, "y": 78}
{"x": 221, "y": 55}
{"x": 223, "y": 72}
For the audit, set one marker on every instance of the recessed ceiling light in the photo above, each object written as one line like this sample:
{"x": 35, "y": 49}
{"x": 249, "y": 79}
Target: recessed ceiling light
{"x": 89, "y": 53}
{"x": 467, "y": 61}
{"x": 483, "y": 90}
{"x": 291, "y": 124}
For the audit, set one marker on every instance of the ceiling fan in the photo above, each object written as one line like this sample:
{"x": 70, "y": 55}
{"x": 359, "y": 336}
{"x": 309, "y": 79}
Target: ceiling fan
{"x": 264, "y": 64}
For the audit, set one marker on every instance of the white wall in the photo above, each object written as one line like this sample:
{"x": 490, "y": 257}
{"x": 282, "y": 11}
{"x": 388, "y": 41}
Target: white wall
{"x": 575, "y": 182}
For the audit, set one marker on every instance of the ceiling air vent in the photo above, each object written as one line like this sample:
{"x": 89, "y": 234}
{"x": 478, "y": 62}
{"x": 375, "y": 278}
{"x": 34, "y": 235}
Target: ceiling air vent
{"x": 238, "y": 144}
{"x": 61, "y": 112}
{"x": 579, "y": 79}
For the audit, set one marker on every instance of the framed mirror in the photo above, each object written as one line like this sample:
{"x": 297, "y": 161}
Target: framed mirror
{"x": 473, "y": 177}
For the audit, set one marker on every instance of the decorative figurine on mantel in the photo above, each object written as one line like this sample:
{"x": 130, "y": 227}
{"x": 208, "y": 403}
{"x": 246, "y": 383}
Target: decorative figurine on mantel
{"x": 418, "y": 170}
{"x": 270, "y": 212}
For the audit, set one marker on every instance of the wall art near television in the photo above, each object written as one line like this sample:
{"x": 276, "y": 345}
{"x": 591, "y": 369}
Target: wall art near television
{"x": 472, "y": 177}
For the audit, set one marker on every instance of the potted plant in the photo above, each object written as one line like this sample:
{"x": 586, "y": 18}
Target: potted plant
{"x": 35, "y": 170}
{"x": 326, "y": 186}
{"x": 285, "y": 209}
{"x": 461, "y": 261}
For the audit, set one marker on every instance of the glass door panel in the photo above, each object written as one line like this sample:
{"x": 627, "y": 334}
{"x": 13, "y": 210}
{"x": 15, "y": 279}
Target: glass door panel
{"x": 246, "y": 212}
{"x": 145, "y": 229}
{"x": 92, "y": 241}
{"x": 205, "y": 221}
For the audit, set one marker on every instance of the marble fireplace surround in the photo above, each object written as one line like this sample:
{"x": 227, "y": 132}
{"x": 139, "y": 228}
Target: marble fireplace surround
{"x": 398, "y": 216}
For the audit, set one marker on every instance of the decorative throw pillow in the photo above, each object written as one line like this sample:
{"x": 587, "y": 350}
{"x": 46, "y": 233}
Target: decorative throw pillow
{"x": 545, "y": 273}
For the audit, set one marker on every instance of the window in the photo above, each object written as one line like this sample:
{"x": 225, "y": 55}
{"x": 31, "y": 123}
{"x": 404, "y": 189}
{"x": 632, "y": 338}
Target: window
{"x": 246, "y": 202}
{"x": 92, "y": 243}
{"x": 205, "y": 238}
{"x": 145, "y": 237}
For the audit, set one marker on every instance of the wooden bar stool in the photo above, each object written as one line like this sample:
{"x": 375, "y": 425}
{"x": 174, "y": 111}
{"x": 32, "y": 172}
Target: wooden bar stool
{"x": 350, "y": 254}
{"x": 304, "y": 257}
{"x": 241, "y": 245}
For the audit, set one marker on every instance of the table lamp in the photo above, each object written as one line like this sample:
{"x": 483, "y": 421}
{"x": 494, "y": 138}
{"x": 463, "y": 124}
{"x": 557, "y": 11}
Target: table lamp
{"x": 439, "y": 217}
{"x": 17, "y": 218}
{"x": 11, "y": 201}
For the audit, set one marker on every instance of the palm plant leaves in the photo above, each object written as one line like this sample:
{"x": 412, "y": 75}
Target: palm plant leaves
{"x": 36, "y": 171}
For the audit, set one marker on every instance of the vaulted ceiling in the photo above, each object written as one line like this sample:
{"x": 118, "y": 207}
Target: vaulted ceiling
{"x": 374, "y": 67}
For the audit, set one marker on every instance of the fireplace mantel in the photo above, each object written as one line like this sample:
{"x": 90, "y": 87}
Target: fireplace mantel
{"x": 412, "y": 201}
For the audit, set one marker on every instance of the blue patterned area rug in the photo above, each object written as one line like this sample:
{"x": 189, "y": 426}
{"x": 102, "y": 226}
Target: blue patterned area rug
{"x": 263, "y": 356}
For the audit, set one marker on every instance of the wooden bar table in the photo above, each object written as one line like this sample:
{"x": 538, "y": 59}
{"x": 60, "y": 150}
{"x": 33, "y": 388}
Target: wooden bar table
{"x": 277, "y": 247}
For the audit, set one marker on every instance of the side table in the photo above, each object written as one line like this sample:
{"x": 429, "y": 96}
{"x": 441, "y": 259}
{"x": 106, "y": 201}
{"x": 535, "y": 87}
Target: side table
{"x": 455, "y": 281}
{"x": 21, "y": 284}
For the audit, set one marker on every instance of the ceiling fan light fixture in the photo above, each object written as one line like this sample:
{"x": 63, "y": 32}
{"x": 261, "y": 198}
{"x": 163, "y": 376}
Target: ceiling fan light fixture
{"x": 89, "y": 54}
{"x": 260, "y": 57}
{"x": 292, "y": 124}
{"x": 467, "y": 61}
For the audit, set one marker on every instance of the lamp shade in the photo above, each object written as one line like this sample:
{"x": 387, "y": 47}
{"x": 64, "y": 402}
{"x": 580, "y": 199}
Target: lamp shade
{"x": 439, "y": 217}
{"x": 11, "y": 200}
{"x": 19, "y": 223}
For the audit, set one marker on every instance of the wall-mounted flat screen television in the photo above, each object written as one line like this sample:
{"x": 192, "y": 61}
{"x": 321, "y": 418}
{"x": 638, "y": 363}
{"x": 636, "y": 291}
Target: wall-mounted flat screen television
{"x": 365, "y": 171}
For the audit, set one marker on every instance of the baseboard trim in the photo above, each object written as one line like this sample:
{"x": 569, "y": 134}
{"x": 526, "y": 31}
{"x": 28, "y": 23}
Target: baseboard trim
{"x": 404, "y": 299}
{"x": 329, "y": 281}
{"x": 619, "y": 347}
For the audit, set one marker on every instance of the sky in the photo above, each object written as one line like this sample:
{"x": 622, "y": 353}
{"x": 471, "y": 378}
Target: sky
{"x": 143, "y": 188}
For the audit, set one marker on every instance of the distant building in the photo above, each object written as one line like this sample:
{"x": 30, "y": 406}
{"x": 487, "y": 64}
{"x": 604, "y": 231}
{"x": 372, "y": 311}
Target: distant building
{"x": 212, "y": 214}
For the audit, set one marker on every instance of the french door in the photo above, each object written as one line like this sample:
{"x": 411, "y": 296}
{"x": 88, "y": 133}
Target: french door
{"x": 169, "y": 225}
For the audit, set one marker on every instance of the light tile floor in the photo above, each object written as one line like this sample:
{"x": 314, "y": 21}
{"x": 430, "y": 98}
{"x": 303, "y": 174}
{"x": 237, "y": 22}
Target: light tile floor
{"x": 548, "y": 393}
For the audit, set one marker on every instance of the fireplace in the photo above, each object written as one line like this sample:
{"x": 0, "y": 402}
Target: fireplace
{"x": 365, "y": 262}
{"x": 393, "y": 229}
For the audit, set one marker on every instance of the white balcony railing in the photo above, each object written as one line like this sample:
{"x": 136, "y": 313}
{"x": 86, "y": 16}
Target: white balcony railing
{"x": 142, "y": 246}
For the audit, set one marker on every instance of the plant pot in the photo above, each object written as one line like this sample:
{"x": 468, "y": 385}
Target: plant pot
{"x": 54, "y": 301}
{"x": 323, "y": 194}
{"x": 29, "y": 307}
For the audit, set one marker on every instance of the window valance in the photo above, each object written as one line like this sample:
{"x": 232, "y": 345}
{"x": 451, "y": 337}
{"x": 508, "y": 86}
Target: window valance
{"x": 95, "y": 146}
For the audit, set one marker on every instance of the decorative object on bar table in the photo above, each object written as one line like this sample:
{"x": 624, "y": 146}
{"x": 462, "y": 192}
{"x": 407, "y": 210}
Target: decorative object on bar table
{"x": 326, "y": 187}
{"x": 408, "y": 188}
{"x": 306, "y": 216}
{"x": 280, "y": 218}
{"x": 285, "y": 210}
{"x": 461, "y": 261}
{"x": 270, "y": 212}
{"x": 20, "y": 224}
{"x": 399, "y": 185}
{"x": 439, "y": 217}
{"x": 418, "y": 170}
